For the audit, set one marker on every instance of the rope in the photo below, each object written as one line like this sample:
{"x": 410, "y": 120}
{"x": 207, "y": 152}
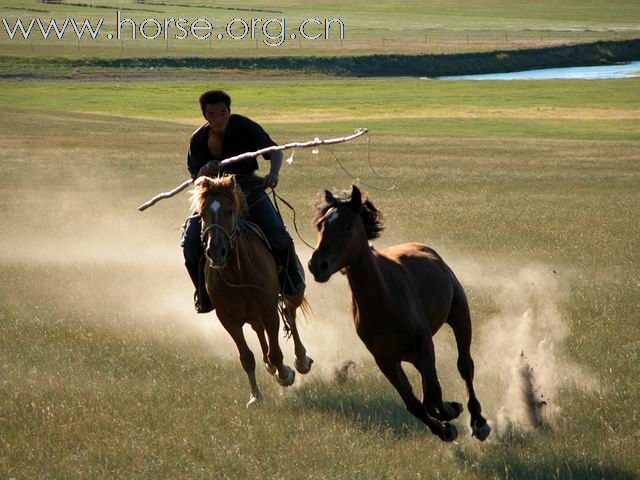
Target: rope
{"x": 369, "y": 159}
{"x": 277, "y": 197}
{"x": 353, "y": 177}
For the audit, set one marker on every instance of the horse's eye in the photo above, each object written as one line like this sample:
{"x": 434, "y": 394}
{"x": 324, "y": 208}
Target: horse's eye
{"x": 349, "y": 227}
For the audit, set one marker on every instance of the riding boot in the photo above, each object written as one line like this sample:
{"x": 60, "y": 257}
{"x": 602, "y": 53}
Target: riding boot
{"x": 290, "y": 270}
{"x": 201, "y": 299}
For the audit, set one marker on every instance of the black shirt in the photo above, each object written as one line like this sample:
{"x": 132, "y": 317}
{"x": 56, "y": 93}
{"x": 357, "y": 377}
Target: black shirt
{"x": 242, "y": 135}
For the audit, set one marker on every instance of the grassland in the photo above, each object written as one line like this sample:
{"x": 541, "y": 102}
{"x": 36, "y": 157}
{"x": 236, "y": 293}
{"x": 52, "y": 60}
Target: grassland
{"x": 529, "y": 189}
{"x": 414, "y": 27}
{"x": 435, "y": 38}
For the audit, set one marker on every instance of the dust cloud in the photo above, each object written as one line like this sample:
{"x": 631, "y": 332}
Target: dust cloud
{"x": 131, "y": 264}
{"x": 521, "y": 367}
{"x": 94, "y": 252}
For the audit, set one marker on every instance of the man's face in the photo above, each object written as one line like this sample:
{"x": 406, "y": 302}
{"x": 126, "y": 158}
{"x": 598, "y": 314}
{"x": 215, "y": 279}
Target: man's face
{"x": 217, "y": 115}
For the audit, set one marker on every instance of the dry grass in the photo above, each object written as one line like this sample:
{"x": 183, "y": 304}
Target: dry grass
{"x": 106, "y": 372}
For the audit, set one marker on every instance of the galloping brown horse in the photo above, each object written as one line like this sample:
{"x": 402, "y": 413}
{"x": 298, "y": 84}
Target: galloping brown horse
{"x": 401, "y": 297}
{"x": 242, "y": 280}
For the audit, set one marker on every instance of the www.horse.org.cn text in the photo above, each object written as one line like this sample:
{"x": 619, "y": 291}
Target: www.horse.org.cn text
{"x": 272, "y": 32}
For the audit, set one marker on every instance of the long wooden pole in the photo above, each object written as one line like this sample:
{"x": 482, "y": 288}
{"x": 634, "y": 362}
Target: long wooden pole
{"x": 231, "y": 160}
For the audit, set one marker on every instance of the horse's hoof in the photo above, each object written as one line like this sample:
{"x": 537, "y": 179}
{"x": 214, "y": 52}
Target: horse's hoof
{"x": 449, "y": 432}
{"x": 456, "y": 409}
{"x": 481, "y": 432}
{"x": 288, "y": 378}
{"x": 303, "y": 366}
{"x": 270, "y": 368}
{"x": 253, "y": 400}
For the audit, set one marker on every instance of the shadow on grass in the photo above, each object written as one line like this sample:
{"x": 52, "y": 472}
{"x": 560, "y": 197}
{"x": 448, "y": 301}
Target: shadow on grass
{"x": 569, "y": 468}
{"x": 368, "y": 408}
{"x": 512, "y": 460}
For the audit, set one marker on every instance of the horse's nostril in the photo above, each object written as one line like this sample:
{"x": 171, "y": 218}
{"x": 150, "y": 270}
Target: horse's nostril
{"x": 324, "y": 265}
{"x": 223, "y": 252}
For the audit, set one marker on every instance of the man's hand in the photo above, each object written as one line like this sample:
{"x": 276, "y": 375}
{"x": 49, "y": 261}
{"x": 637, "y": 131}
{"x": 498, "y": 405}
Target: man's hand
{"x": 271, "y": 180}
{"x": 210, "y": 169}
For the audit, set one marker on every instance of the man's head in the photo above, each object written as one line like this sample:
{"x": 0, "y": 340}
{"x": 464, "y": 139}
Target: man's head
{"x": 216, "y": 108}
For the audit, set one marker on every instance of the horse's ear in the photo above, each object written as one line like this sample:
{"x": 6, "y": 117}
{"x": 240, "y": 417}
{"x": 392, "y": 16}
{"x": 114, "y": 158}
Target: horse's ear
{"x": 356, "y": 198}
{"x": 329, "y": 198}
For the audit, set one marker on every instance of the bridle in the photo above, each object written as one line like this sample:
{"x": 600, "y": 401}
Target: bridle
{"x": 231, "y": 237}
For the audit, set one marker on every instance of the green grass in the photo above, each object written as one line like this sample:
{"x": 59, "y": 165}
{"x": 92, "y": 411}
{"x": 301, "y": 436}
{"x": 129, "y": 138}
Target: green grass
{"x": 529, "y": 190}
{"x": 306, "y": 102}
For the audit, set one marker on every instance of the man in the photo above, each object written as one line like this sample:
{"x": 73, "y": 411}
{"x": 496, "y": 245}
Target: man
{"x": 226, "y": 135}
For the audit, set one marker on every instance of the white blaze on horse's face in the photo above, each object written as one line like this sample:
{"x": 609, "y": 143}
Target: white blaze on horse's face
{"x": 219, "y": 238}
{"x": 215, "y": 206}
{"x": 330, "y": 255}
{"x": 328, "y": 218}
{"x": 334, "y": 215}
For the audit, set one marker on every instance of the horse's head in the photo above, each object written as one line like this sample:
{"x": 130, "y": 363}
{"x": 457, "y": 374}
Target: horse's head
{"x": 220, "y": 203}
{"x": 344, "y": 226}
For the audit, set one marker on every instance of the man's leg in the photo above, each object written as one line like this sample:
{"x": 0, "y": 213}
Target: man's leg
{"x": 194, "y": 261}
{"x": 263, "y": 212}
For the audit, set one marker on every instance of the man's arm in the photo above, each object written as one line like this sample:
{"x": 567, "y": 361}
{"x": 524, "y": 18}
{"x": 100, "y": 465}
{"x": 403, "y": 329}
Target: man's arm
{"x": 271, "y": 180}
{"x": 196, "y": 159}
{"x": 191, "y": 164}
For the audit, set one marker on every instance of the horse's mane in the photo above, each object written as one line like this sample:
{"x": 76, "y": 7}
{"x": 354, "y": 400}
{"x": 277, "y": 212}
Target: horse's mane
{"x": 225, "y": 185}
{"x": 371, "y": 216}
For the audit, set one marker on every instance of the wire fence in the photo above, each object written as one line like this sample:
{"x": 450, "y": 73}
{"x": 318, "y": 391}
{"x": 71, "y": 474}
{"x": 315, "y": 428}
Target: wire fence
{"x": 429, "y": 42}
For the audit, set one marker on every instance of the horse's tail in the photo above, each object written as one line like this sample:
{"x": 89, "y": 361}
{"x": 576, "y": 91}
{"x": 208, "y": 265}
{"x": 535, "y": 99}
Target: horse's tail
{"x": 305, "y": 308}
{"x": 284, "y": 310}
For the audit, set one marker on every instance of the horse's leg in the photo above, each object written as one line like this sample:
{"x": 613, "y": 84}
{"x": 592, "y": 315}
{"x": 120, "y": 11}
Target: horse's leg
{"x": 460, "y": 321}
{"x": 264, "y": 346}
{"x": 246, "y": 359}
{"x": 455, "y": 408}
{"x": 394, "y": 373}
{"x": 285, "y": 375}
{"x": 302, "y": 362}
{"x": 431, "y": 389}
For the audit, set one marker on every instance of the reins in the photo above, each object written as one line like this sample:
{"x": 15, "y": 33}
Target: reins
{"x": 277, "y": 197}
{"x": 241, "y": 226}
